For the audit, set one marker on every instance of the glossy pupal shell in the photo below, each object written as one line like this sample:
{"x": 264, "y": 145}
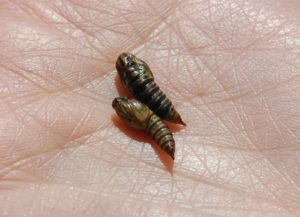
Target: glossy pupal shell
{"x": 139, "y": 116}
{"x": 137, "y": 77}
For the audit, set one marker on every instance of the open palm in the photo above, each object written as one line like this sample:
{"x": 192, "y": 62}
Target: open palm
{"x": 230, "y": 67}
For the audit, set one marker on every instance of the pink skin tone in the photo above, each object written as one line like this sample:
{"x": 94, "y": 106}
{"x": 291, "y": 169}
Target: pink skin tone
{"x": 230, "y": 67}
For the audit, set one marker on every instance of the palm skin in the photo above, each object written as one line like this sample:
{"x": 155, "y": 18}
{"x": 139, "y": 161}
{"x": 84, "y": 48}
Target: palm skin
{"x": 230, "y": 67}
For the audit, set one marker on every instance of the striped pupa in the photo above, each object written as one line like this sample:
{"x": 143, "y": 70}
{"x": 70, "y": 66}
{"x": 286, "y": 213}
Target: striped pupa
{"x": 139, "y": 116}
{"x": 136, "y": 76}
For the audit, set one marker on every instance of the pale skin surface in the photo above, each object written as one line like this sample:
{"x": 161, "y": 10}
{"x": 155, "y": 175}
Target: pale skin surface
{"x": 230, "y": 67}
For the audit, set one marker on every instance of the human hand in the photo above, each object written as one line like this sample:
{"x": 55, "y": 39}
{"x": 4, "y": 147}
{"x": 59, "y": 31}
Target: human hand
{"x": 230, "y": 67}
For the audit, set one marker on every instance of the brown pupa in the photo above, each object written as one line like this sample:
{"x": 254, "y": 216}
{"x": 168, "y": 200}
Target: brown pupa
{"x": 136, "y": 76}
{"x": 139, "y": 116}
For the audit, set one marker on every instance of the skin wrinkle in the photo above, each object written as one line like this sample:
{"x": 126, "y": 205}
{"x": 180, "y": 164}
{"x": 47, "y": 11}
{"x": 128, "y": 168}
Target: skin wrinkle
{"x": 156, "y": 165}
{"x": 75, "y": 25}
{"x": 253, "y": 173}
{"x": 277, "y": 198}
{"x": 41, "y": 123}
{"x": 228, "y": 188}
{"x": 20, "y": 162}
{"x": 22, "y": 76}
{"x": 255, "y": 41}
{"x": 124, "y": 200}
{"x": 178, "y": 34}
{"x": 248, "y": 130}
{"x": 163, "y": 22}
{"x": 109, "y": 180}
{"x": 131, "y": 156}
{"x": 283, "y": 140}
{"x": 33, "y": 177}
{"x": 281, "y": 174}
{"x": 15, "y": 72}
{"x": 155, "y": 27}
{"x": 81, "y": 122}
{"x": 240, "y": 148}
{"x": 181, "y": 192}
{"x": 107, "y": 184}
{"x": 145, "y": 178}
{"x": 260, "y": 151}
{"x": 40, "y": 15}
{"x": 58, "y": 89}
{"x": 201, "y": 30}
{"x": 213, "y": 71}
{"x": 254, "y": 91}
{"x": 57, "y": 147}
{"x": 267, "y": 107}
{"x": 55, "y": 93}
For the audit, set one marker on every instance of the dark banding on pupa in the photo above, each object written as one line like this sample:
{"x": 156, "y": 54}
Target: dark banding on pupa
{"x": 139, "y": 116}
{"x": 136, "y": 76}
